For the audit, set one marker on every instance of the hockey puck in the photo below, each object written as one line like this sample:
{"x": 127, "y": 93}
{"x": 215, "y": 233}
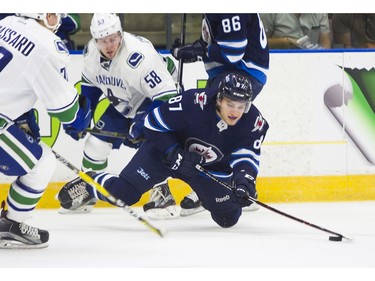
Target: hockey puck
{"x": 335, "y": 238}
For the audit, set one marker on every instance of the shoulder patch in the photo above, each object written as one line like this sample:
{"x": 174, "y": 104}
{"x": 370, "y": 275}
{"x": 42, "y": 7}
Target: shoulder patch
{"x": 135, "y": 59}
{"x": 61, "y": 47}
{"x": 259, "y": 123}
{"x": 201, "y": 99}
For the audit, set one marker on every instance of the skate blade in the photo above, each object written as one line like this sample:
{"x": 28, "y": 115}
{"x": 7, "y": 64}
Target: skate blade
{"x": 12, "y": 244}
{"x": 81, "y": 210}
{"x": 169, "y": 212}
{"x": 189, "y": 212}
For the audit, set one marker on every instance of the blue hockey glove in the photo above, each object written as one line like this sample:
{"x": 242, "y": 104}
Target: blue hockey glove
{"x": 136, "y": 131}
{"x": 27, "y": 123}
{"x": 136, "y": 128}
{"x": 244, "y": 186}
{"x": 182, "y": 161}
{"x": 83, "y": 119}
{"x": 131, "y": 144}
{"x": 189, "y": 53}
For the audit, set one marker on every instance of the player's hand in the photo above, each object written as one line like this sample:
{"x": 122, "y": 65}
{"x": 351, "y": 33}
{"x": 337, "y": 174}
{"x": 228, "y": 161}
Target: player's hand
{"x": 76, "y": 128}
{"x": 27, "y": 123}
{"x": 189, "y": 53}
{"x": 133, "y": 144}
{"x": 136, "y": 131}
{"x": 183, "y": 161}
{"x": 244, "y": 187}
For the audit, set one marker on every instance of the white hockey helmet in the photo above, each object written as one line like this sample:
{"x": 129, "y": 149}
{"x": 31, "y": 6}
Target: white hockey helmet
{"x": 103, "y": 25}
{"x": 43, "y": 17}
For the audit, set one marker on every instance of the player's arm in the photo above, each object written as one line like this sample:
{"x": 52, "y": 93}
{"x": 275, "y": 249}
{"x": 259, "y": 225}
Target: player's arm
{"x": 245, "y": 162}
{"x": 157, "y": 84}
{"x": 162, "y": 123}
{"x": 229, "y": 40}
{"x": 161, "y": 126}
{"x": 90, "y": 91}
{"x": 60, "y": 97}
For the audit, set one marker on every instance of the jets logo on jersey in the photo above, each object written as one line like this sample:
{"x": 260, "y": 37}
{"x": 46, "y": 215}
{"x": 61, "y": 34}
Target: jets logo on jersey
{"x": 259, "y": 123}
{"x": 210, "y": 152}
{"x": 201, "y": 99}
{"x": 135, "y": 59}
{"x": 61, "y": 47}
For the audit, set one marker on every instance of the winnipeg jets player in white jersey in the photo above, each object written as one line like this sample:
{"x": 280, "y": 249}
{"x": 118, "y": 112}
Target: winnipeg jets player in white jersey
{"x": 33, "y": 63}
{"x": 127, "y": 70}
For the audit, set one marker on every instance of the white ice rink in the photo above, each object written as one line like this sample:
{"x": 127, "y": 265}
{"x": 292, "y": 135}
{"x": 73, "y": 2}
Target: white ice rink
{"x": 262, "y": 240}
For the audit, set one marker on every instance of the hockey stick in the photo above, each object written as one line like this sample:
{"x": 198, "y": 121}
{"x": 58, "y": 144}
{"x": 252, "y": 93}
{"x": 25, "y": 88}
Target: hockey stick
{"x": 337, "y": 237}
{"x": 102, "y": 190}
{"x": 111, "y": 134}
{"x": 180, "y": 63}
{"x": 105, "y": 133}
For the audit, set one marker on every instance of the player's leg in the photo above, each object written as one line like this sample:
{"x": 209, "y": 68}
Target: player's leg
{"x": 96, "y": 151}
{"x": 97, "y": 148}
{"x": 139, "y": 176}
{"x": 33, "y": 164}
{"x": 219, "y": 201}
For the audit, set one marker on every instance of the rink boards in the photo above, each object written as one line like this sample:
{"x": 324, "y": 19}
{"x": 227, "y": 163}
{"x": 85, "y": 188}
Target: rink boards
{"x": 321, "y": 141}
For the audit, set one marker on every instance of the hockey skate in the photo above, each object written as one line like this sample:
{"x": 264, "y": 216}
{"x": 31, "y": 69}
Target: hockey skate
{"x": 16, "y": 235}
{"x": 191, "y": 205}
{"x": 75, "y": 198}
{"x": 161, "y": 204}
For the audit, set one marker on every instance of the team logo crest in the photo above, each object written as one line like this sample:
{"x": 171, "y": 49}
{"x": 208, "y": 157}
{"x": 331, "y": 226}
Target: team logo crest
{"x": 210, "y": 152}
{"x": 201, "y": 99}
{"x": 259, "y": 123}
{"x": 61, "y": 47}
{"x": 135, "y": 59}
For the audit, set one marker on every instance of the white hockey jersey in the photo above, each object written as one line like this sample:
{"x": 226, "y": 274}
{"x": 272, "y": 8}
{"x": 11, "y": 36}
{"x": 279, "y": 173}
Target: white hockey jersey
{"x": 33, "y": 65}
{"x": 137, "y": 72}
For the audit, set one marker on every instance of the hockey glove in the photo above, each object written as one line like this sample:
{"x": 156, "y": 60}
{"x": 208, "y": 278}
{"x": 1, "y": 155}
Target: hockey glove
{"x": 27, "y": 123}
{"x": 132, "y": 144}
{"x": 189, "y": 53}
{"x": 182, "y": 161}
{"x": 244, "y": 186}
{"x": 76, "y": 128}
{"x": 136, "y": 128}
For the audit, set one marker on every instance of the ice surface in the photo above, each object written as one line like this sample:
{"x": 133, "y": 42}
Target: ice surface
{"x": 110, "y": 238}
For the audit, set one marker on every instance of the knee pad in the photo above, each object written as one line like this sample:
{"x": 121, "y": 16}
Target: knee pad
{"x": 96, "y": 154}
{"x": 228, "y": 218}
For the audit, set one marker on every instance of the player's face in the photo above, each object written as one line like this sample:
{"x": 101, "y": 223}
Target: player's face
{"x": 53, "y": 20}
{"x": 109, "y": 45}
{"x": 231, "y": 111}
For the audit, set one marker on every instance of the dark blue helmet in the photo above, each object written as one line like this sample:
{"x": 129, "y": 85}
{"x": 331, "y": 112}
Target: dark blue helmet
{"x": 236, "y": 87}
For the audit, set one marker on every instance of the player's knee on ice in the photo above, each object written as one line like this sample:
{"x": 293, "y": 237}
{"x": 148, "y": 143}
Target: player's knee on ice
{"x": 121, "y": 188}
{"x": 228, "y": 218}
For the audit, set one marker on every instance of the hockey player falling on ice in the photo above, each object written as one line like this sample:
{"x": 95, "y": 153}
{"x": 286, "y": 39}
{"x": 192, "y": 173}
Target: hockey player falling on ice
{"x": 218, "y": 128}
{"x": 32, "y": 67}
{"x": 134, "y": 77}
{"x": 228, "y": 42}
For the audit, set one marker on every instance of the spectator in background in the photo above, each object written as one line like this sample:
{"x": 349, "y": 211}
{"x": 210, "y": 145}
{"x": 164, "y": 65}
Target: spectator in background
{"x": 353, "y": 30}
{"x": 291, "y": 31}
{"x": 69, "y": 25}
